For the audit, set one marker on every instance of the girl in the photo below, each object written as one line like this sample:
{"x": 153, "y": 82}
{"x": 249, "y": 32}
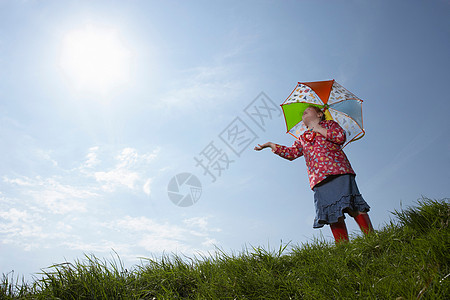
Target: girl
{"x": 331, "y": 176}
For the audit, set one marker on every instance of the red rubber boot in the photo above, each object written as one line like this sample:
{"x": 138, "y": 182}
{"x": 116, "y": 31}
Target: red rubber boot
{"x": 364, "y": 223}
{"x": 339, "y": 231}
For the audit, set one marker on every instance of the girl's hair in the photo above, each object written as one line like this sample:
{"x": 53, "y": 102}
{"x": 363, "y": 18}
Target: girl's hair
{"x": 318, "y": 110}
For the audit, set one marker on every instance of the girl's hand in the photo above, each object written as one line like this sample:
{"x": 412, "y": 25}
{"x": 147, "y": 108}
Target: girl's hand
{"x": 316, "y": 127}
{"x": 268, "y": 144}
{"x": 259, "y": 147}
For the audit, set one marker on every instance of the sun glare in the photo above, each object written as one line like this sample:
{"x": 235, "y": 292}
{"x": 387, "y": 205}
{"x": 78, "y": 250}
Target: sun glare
{"x": 95, "y": 59}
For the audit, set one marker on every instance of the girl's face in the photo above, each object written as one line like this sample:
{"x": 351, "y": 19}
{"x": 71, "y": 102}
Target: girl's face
{"x": 310, "y": 114}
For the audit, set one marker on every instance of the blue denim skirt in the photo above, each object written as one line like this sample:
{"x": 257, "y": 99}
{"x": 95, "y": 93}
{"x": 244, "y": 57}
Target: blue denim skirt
{"x": 333, "y": 196}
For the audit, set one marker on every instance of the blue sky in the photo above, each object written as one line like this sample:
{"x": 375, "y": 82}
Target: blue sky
{"x": 90, "y": 143}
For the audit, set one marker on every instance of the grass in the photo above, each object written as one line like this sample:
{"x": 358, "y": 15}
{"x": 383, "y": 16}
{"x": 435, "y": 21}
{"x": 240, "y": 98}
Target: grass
{"x": 407, "y": 259}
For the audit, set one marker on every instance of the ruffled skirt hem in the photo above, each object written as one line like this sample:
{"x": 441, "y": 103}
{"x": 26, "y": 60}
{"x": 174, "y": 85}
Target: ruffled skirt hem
{"x": 336, "y": 195}
{"x": 331, "y": 213}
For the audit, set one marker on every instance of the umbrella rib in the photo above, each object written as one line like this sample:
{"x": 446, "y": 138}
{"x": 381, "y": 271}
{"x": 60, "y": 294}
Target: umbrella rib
{"x": 290, "y": 94}
{"x": 357, "y": 99}
{"x": 304, "y": 102}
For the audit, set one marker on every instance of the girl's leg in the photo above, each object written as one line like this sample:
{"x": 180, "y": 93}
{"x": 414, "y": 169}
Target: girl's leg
{"x": 364, "y": 223}
{"x": 339, "y": 231}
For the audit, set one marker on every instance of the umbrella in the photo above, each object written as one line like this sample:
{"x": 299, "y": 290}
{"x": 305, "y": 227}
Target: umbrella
{"x": 337, "y": 103}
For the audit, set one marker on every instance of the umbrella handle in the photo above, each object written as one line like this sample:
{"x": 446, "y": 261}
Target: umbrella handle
{"x": 309, "y": 140}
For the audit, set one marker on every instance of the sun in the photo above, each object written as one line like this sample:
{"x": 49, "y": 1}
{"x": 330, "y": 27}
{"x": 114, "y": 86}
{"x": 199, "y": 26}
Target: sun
{"x": 95, "y": 59}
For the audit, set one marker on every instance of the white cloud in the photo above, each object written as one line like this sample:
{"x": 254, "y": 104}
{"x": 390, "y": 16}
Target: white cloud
{"x": 129, "y": 170}
{"x": 51, "y": 195}
{"x": 19, "y": 181}
{"x": 20, "y": 226}
{"x": 158, "y": 244}
{"x": 199, "y": 222}
{"x": 129, "y": 157}
{"x": 91, "y": 158}
{"x": 42, "y": 210}
{"x": 147, "y": 187}
{"x": 117, "y": 177}
{"x": 158, "y": 237}
{"x": 100, "y": 246}
{"x": 45, "y": 155}
{"x": 66, "y": 210}
{"x": 144, "y": 224}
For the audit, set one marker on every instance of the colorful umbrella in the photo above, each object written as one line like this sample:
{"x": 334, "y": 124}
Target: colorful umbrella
{"x": 337, "y": 103}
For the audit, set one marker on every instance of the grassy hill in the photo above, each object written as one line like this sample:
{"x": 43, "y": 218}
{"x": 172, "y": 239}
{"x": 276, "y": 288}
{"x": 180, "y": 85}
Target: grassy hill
{"x": 407, "y": 259}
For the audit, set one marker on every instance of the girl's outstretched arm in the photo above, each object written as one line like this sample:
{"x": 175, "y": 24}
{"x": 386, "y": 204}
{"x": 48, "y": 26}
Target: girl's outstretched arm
{"x": 266, "y": 145}
{"x": 289, "y": 153}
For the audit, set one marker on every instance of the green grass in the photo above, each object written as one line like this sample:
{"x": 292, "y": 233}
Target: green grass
{"x": 407, "y": 259}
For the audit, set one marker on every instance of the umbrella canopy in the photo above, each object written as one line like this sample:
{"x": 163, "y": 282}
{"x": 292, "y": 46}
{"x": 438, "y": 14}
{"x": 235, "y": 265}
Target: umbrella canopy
{"x": 337, "y": 103}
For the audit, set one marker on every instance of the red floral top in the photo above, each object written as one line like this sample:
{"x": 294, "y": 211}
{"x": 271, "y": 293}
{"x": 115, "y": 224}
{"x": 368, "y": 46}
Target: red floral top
{"x": 323, "y": 156}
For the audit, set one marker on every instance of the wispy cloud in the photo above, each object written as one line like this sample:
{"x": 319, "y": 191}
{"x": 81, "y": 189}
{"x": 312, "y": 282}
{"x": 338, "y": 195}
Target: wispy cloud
{"x": 157, "y": 237}
{"x": 91, "y": 158}
{"x": 21, "y": 227}
{"x": 51, "y": 195}
{"x": 128, "y": 170}
{"x": 66, "y": 210}
{"x": 37, "y": 208}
